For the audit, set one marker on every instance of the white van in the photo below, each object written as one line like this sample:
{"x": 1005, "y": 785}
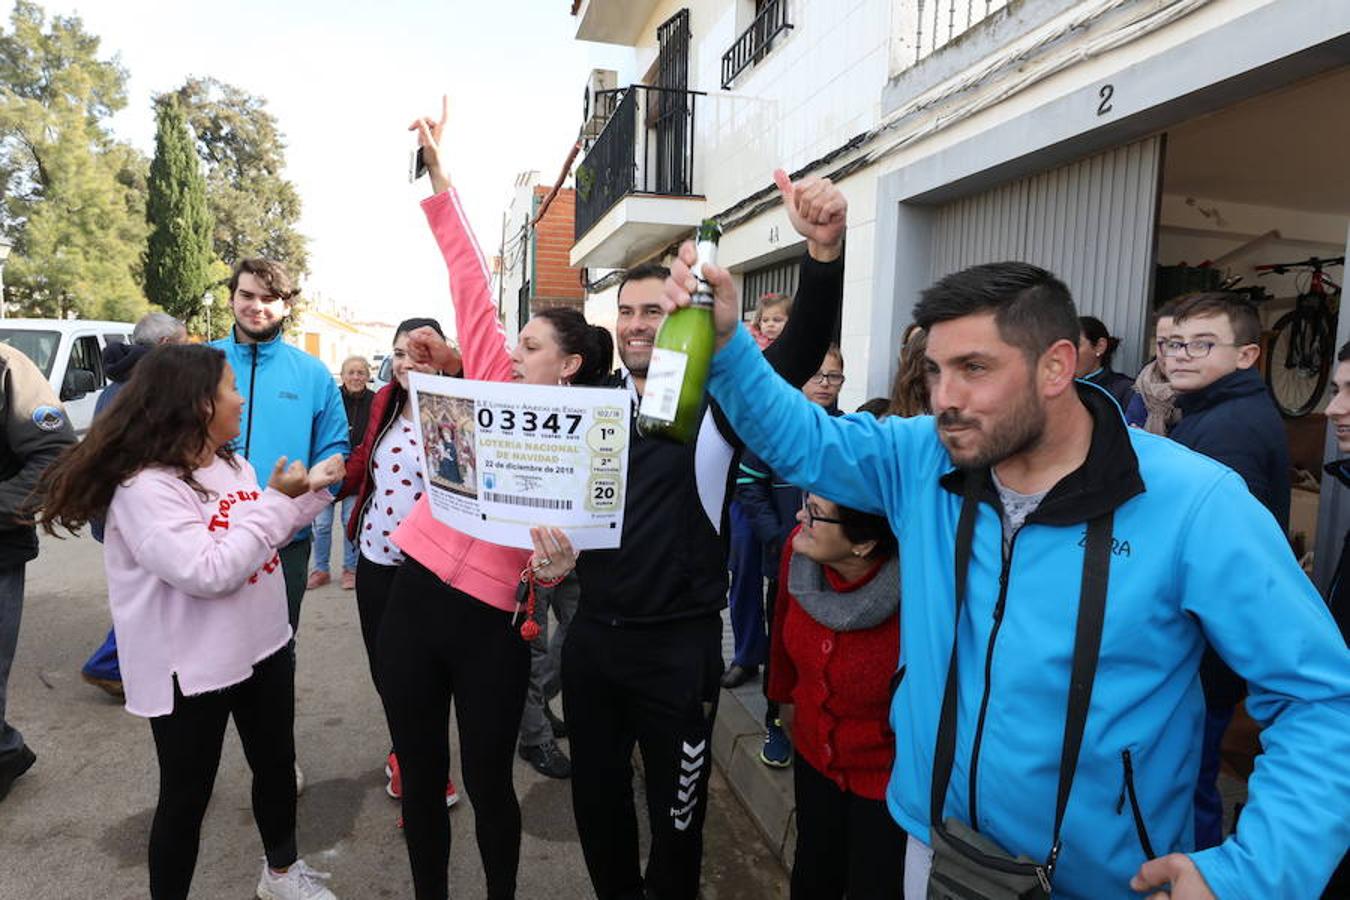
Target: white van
{"x": 69, "y": 352}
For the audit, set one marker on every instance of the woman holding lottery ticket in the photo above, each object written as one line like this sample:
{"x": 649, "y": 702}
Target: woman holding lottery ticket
{"x": 452, "y": 630}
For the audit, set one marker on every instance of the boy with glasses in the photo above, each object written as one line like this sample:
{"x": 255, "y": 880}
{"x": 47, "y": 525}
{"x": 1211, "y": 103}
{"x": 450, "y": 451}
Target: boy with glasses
{"x": 1227, "y": 414}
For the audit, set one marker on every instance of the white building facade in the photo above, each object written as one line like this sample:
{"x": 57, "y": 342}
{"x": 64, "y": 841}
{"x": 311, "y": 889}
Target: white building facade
{"x": 1102, "y": 139}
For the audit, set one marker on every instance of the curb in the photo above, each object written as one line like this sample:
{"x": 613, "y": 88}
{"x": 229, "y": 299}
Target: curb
{"x": 766, "y": 793}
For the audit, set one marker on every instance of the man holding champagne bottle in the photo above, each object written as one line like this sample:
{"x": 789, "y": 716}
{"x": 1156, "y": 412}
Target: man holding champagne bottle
{"x": 643, "y": 659}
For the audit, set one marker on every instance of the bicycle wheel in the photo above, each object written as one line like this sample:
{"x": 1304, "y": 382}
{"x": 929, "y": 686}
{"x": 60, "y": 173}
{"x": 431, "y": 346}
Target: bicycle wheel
{"x": 1300, "y": 362}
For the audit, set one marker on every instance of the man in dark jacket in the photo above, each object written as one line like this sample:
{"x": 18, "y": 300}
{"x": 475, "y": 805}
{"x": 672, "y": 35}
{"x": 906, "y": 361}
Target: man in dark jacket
{"x": 642, "y": 661}
{"x": 1338, "y": 591}
{"x": 772, "y": 505}
{"x": 1226, "y": 414}
{"x": 101, "y": 670}
{"x": 35, "y": 432}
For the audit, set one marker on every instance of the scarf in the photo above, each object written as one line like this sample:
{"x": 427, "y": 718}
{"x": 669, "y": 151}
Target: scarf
{"x": 1159, "y": 399}
{"x": 865, "y": 607}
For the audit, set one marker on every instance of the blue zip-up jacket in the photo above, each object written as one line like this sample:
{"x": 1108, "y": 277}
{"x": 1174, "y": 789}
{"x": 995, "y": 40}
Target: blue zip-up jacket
{"x": 1195, "y": 557}
{"x": 292, "y": 407}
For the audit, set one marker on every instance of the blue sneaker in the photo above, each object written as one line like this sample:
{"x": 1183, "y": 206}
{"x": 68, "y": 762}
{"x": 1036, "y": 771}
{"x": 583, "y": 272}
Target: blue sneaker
{"x": 777, "y": 749}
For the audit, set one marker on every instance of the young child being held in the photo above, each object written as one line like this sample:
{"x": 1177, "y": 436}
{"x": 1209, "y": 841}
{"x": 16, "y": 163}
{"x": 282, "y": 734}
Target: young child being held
{"x": 771, "y": 317}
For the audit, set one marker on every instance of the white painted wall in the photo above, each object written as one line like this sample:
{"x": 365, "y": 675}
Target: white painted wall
{"x": 516, "y": 258}
{"x": 822, "y": 84}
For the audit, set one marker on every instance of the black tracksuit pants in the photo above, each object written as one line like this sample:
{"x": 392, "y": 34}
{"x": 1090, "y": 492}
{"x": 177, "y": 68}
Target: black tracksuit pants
{"x": 656, "y": 687}
{"x": 437, "y": 643}
{"x": 188, "y": 742}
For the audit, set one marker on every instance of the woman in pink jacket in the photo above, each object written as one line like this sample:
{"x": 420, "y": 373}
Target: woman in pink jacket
{"x": 452, "y": 626}
{"x": 197, "y": 596}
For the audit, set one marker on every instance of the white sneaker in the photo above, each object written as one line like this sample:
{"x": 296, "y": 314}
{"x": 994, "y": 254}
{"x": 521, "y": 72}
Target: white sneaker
{"x": 299, "y": 882}
{"x": 299, "y": 779}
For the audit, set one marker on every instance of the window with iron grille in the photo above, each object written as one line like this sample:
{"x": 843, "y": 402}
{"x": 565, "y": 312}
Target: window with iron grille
{"x": 776, "y": 278}
{"x": 756, "y": 41}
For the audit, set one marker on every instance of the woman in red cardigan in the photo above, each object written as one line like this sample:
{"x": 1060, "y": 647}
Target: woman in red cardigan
{"x": 833, "y": 650}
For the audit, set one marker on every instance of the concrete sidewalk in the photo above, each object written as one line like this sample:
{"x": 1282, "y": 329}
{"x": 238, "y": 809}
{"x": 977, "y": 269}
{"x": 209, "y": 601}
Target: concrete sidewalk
{"x": 738, "y": 734}
{"x": 77, "y": 824}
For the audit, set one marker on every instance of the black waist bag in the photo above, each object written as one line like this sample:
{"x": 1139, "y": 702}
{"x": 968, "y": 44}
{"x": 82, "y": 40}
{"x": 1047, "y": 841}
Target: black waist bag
{"x": 968, "y": 865}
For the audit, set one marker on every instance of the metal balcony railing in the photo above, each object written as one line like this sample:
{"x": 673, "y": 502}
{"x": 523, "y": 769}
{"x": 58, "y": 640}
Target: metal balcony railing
{"x": 939, "y": 22}
{"x": 756, "y": 41}
{"x": 646, "y": 147}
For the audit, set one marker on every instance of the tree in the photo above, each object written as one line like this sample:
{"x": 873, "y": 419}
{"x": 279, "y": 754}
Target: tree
{"x": 71, "y": 197}
{"x": 179, "y": 255}
{"x": 255, "y": 208}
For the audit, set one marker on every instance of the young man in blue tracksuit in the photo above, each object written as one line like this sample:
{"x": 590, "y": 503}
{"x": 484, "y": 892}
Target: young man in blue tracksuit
{"x": 292, "y": 405}
{"x": 1192, "y": 558}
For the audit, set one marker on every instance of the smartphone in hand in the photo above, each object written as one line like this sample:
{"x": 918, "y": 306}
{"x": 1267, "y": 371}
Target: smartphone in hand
{"x": 417, "y": 165}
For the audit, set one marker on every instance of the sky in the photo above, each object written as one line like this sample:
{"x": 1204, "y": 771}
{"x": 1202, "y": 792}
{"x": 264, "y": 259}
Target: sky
{"x": 344, "y": 80}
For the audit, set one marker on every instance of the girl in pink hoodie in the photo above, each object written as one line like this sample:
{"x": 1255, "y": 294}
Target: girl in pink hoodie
{"x": 197, "y": 596}
{"x": 452, "y": 629}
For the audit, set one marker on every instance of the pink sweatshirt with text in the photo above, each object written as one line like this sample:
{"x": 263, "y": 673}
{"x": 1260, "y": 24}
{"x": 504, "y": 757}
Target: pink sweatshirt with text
{"x": 487, "y": 572}
{"x": 195, "y": 586}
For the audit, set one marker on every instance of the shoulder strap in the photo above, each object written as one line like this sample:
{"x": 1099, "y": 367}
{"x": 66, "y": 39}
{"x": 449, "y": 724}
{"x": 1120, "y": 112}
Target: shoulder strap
{"x": 945, "y": 751}
{"x": 1086, "y": 646}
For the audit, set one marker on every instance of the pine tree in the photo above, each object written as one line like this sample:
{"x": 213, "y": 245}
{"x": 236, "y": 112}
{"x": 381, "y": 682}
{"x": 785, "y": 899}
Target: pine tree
{"x": 179, "y": 253}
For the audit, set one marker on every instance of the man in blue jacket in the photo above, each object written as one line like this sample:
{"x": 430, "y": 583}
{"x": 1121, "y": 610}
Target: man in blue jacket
{"x": 293, "y": 408}
{"x": 1227, "y": 414}
{"x": 1192, "y": 558}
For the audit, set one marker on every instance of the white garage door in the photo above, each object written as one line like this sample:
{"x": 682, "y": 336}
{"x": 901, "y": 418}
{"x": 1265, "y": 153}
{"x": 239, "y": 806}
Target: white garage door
{"x": 1091, "y": 222}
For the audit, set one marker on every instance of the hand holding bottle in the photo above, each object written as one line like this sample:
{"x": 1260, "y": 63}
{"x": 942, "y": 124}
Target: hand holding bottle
{"x": 681, "y": 285}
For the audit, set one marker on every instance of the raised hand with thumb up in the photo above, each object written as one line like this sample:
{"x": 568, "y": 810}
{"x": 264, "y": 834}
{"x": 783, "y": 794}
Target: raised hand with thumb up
{"x": 818, "y": 211}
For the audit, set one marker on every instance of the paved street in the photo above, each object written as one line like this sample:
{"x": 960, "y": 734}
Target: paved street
{"x": 76, "y": 825}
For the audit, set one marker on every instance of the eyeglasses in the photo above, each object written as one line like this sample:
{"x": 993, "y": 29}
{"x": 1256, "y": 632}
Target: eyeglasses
{"x": 833, "y": 379}
{"x": 812, "y": 517}
{"x": 1194, "y": 349}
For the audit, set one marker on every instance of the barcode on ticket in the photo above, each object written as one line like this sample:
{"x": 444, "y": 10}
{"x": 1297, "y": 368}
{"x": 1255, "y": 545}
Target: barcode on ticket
{"x": 518, "y": 500}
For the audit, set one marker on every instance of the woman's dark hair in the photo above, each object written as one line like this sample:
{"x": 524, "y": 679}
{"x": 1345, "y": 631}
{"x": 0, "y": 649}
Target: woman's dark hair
{"x": 877, "y": 407}
{"x": 861, "y": 527}
{"x": 162, "y": 417}
{"x": 909, "y": 391}
{"x": 410, "y": 325}
{"x": 1095, "y": 330}
{"x": 591, "y": 342}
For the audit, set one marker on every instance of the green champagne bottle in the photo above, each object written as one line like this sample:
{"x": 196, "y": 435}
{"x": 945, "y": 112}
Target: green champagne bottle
{"x": 673, "y": 400}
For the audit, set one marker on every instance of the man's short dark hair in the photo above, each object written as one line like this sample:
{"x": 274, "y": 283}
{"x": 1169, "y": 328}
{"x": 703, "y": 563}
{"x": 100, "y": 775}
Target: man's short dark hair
{"x": 643, "y": 272}
{"x": 270, "y": 272}
{"x": 1241, "y": 313}
{"x": 1032, "y": 308}
{"x": 1343, "y": 355}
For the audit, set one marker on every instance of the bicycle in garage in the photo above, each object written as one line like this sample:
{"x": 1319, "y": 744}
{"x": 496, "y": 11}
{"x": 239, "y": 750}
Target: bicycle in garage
{"x": 1303, "y": 347}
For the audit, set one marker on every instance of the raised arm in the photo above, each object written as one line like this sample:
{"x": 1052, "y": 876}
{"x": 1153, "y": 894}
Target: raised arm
{"x": 853, "y": 460}
{"x": 481, "y": 337}
{"x": 818, "y": 212}
{"x": 1272, "y": 628}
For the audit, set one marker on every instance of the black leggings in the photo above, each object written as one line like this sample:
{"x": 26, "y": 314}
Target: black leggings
{"x": 847, "y": 845}
{"x": 374, "y": 581}
{"x": 188, "y": 742}
{"x": 436, "y": 643}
